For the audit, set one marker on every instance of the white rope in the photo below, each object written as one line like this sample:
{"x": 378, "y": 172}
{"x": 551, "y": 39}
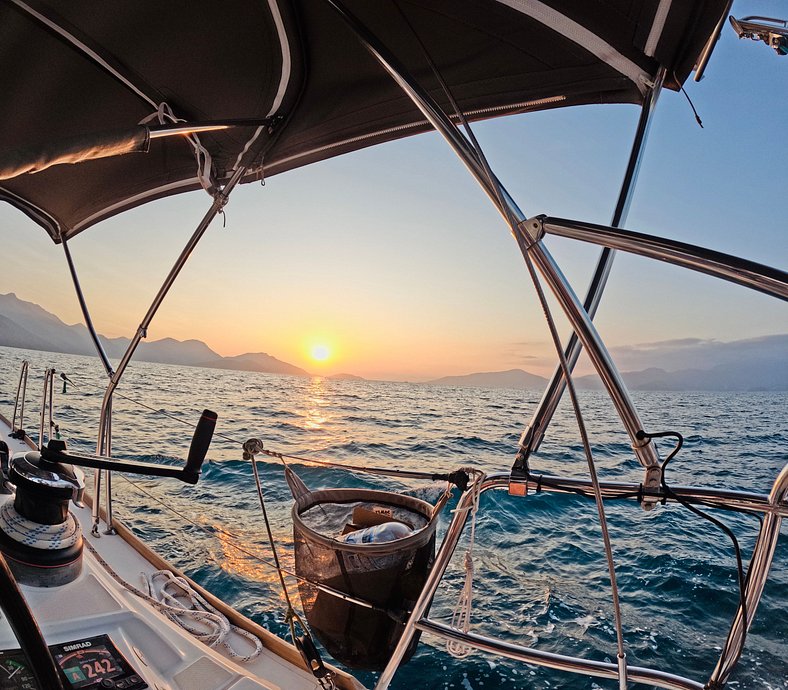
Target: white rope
{"x": 36, "y": 535}
{"x": 188, "y": 609}
{"x": 165, "y": 115}
{"x": 180, "y": 603}
{"x": 461, "y": 616}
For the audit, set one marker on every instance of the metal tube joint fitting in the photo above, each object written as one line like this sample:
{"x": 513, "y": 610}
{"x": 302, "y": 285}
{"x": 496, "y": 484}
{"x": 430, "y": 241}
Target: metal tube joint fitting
{"x": 531, "y": 230}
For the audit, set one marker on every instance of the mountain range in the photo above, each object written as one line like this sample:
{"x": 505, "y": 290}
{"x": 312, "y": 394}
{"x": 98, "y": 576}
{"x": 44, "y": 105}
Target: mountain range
{"x": 27, "y": 325}
{"x": 755, "y": 364}
{"x": 511, "y": 378}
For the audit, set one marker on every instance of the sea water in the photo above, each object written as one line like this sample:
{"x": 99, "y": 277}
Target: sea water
{"x": 540, "y": 574}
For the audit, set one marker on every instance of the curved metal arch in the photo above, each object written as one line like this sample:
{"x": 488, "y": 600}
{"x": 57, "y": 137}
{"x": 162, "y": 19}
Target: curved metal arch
{"x": 535, "y": 431}
{"x": 771, "y": 281}
{"x": 532, "y": 246}
{"x": 773, "y": 507}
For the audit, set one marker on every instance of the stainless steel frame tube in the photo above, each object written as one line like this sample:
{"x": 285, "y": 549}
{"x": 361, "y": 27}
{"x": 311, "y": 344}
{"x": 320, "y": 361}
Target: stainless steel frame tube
{"x": 774, "y": 506}
{"x": 716, "y": 498}
{"x": 104, "y": 444}
{"x": 21, "y": 394}
{"x": 560, "y": 662}
{"x": 757, "y": 574}
{"x": 47, "y": 401}
{"x": 442, "y": 559}
{"x": 771, "y": 281}
{"x": 705, "y": 56}
{"x": 85, "y": 312}
{"x": 534, "y": 433}
{"x": 475, "y": 163}
{"x": 220, "y": 199}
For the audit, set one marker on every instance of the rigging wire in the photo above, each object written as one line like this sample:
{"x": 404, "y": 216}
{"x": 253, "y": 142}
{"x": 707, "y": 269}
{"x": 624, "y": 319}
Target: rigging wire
{"x": 231, "y": 539}
{"x": 513, "y": 223}
{"x": 508, "y": 214}
{"x": 591, "y": 468}
{"x": 304, "y": 644}
{"x": 458, "y": 477}
{"x": 470, "y": 137}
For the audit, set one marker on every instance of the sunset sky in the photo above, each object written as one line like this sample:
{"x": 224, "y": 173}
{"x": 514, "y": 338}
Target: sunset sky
{"x": 395, "y": 263}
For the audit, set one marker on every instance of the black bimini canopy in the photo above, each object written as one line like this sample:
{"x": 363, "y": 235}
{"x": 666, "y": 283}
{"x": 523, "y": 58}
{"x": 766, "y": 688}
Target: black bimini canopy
{"x": 78, "y": 79}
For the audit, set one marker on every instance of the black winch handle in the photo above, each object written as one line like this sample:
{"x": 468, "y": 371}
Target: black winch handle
{"x": 55, "y": 451}
{"x": 200, "y": 442}
{"x": 459, "y": 478}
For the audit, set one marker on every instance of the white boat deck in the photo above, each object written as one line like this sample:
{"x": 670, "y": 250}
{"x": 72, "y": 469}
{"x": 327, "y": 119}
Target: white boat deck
{"x": 161, "y": 652}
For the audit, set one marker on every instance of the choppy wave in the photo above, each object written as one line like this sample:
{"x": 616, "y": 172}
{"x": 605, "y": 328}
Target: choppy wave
{"x": 541, "y": 577}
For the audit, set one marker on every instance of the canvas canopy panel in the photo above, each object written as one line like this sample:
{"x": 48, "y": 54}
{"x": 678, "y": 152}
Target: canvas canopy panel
{"x": 297, "y": 76}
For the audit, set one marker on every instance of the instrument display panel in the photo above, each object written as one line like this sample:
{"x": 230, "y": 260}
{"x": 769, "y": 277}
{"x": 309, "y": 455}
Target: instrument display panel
{"x": 89, "y": 663}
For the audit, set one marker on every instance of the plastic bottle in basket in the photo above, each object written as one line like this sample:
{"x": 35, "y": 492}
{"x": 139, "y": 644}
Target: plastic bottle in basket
{"x": 388, "y": 531}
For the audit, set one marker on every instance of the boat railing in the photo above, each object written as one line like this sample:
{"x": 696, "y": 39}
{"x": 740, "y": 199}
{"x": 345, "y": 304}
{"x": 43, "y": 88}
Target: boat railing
{"x": 757, "y": 574}
{"x": 47, "y": 423}
{"x": 46, "y": 417}
{"x": 773, "y": 506}
{"x": 19, "y": 401}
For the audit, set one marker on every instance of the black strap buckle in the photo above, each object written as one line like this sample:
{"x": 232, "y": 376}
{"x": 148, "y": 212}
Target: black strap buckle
{"x": 306, "y": 647}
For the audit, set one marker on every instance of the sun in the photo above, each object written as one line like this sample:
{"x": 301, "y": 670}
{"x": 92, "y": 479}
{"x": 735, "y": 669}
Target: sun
{"x": 320, "y": 352}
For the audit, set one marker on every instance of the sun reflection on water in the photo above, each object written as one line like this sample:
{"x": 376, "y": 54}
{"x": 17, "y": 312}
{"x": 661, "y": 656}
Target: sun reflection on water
{"x": 235, "y": 558}
{"x": 315, "y": 414}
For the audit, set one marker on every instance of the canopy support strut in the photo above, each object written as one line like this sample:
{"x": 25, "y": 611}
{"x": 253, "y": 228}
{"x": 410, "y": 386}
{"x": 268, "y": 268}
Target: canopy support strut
{"x": 85, "y": 312}
{"x": 766, "y": 279}
{"x": 529, "y": 244}
{"x": 537, "y": 427}
{"x": 219, "y": 201}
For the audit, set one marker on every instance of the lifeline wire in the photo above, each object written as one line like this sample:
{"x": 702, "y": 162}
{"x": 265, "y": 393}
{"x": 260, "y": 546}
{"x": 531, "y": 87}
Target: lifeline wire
{"x": 280, "y": 456}
{"x": 324, "y": 677}
{"x": 454, "y": 477}
{"x": 290, "y": 610}
{"x": 462, "y": 611}
{"x": 230, "y": 541}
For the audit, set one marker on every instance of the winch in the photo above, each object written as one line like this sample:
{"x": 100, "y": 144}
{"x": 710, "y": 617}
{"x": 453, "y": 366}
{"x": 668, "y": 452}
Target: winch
{"x": 39, "y": 537}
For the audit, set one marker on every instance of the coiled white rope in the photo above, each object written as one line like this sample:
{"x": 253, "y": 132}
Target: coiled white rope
{"x": 34, "y": 534}
{"x": 461, "y": 616}
{"x": 179, "y": 602}
{"x": 187, "y": 608}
